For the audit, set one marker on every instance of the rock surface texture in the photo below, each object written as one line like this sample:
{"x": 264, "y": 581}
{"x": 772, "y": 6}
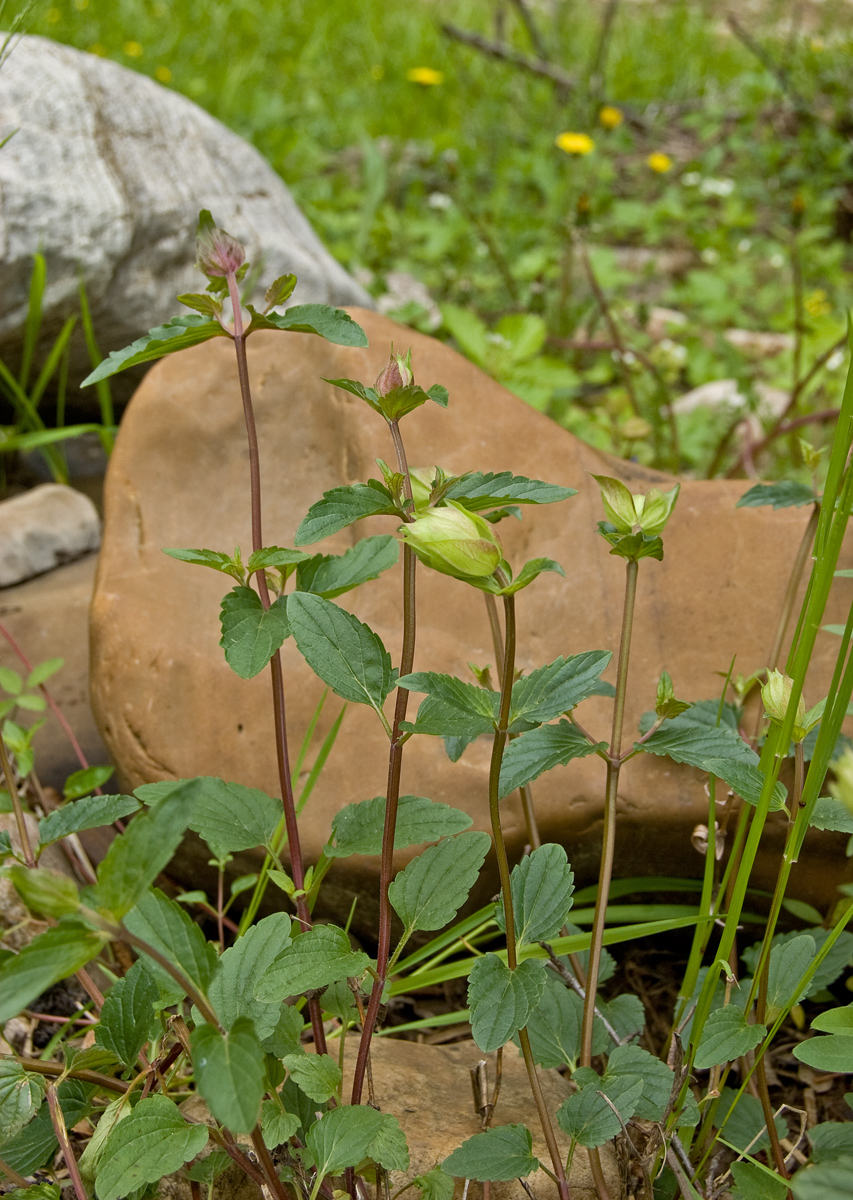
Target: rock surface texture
{"x": 168, "y": 705}
{"x": 108, "y": 171}
{"x": 44, "y": 528}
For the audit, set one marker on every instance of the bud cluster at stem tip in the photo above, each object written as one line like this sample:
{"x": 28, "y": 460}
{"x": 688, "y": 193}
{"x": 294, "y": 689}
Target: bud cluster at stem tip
{"x": 217, "y": 252}
{"x": 776, "y": 698}
{"x": 454, "y": 541}
{"x": 397, "y": 374}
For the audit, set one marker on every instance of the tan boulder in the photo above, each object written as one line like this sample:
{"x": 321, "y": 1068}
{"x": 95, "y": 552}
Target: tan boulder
{"x": 168, "y": 705}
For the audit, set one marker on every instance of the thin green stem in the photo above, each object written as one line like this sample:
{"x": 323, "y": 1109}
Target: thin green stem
{"x": 20, "y": 819}
{"x": 609, "y": 827}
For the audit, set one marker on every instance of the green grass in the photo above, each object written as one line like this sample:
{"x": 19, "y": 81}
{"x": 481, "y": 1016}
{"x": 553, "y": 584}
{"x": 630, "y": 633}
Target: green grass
{"x": 461, "y": 184}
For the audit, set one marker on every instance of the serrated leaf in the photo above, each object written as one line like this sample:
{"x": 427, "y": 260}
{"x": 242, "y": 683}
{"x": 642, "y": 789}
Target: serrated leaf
{"x": 21, "y": 1095}
{"x": 831, "y": 1140}
{"x": 754, "y": 1182}
{"x": 275, "y": 556}
{"x": 527, "y": 757}
{"x": 554, "y": 1026}
{"x": 742, "y": 1121}
{"x": 501, "y": 1000}
{"x": 53, "y": 955}
{"x": 127, "y": 1015}
{"x": 35, "y": 1145}
{"x": 625, "y": 1013}
{"x": 318, "y": 1075}
{"x": 479, "y": 490}
{"x": 241, "y": 967}
{"x": 658, "y": 1079}
{"x": 542, "y": 884}
{"x": 277, "y": 1126}
{"x": 286, "y": 1038}
{"x": 35, "y": 1191}
{"x": 330, "y": 575}
{"x": 558, "y": 687}
{"x": 190, "y": 329}
{"x": 164, "y": 925}
{"x": 280, "y": 290}
{"x": 342, "y": 506}
{"x": 589, "y": 1120}
{"x": 136, "y": 857}
{"x": 530, "y": 571}
{"x": 358, "y": 828}
{"x": 90, "y": 812}
{"x": 435, "y": 1185}
{"x": 209, "y": 1168}
{"x": 496, "y": 1155}
{"x": 828, "y": 1181}
{"x": 152, "y": 1141}
{"x": 344, "y": 652}
{"x": 316, "y": 958}
{"x": 216, "y": 559}
{"x": 231, "y": 817}
{"x": 439, "y": 395}
{"x": 829, "y": 813}
{"x": 785, "y": 493}
{"x": 453, "y": 707}
{"x": 44, "y": 892}
{"x": 430, "y": 890}
{"x": 834, "y": 1052}
{"x": 229, "y": 1073}
{"x": 727, "y": 1035}
{"x": 691, "y": 738}
{"x": 333, "y": 324}
{"x": 830, "y": 968}
{"x": 746, "y": 781}
{"x": 389, "y": 1148}
{"x": 789, "y": 961}
{"x": 80, "y": 783}
{"x": 341, "y": 1138}
{"x": 251, "y": 634}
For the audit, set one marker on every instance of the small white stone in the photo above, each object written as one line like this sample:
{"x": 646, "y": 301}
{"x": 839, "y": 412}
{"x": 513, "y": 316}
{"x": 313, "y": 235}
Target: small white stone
{"x": 43, "y": 528}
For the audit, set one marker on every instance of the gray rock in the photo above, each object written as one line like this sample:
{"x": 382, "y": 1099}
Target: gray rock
{"x": 107, "y": 173}
{"x": 43, "y": 528}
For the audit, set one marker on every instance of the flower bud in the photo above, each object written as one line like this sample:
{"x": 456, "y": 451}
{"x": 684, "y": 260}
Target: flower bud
{"x": 397, "y": 374}
{"x": 454, "y": 541}
{"x": 217, "y": 252}
{"x": 776, "y": 696}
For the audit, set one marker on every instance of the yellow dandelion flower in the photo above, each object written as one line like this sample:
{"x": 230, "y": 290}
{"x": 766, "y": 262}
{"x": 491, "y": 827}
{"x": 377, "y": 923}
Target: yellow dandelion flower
{"x": 97, "y": 48}
{"x": 54, "y": 15}
{"x": 660, "y": 163}
{"x": 163, "y": 74}
{"x": 426, "y": 76}
{"x": 610, "y": 117}
{"x": 575, "y": 143}
{"x": 133, "y": 49}
{"x": 377, "y": 71}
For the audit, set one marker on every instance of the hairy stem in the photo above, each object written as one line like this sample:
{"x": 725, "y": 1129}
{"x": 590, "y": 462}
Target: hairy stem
{"x": 275, "y": 1185}
{"x": 58, "y": 1122}
{"x": 614, "y": 766}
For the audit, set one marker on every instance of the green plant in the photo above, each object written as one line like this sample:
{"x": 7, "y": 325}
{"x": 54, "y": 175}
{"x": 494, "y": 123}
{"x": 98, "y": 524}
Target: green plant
{"x": 227, "y": 1020}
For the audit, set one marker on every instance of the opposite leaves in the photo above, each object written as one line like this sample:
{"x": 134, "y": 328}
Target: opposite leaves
{"x": 428, "y": 893}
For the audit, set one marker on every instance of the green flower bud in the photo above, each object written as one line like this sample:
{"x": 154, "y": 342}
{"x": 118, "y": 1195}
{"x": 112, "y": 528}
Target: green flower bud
{"x": 422, "y": 482}
{"x": 842, "y": 787}
{"x": 454, "y": 541}
{"x": 647, "y": 513}
{"x": 776, "y": 696}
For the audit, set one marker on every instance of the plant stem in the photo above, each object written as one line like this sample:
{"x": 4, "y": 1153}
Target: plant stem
{"x": 275, "y": 1185}
{"x": 20, "y": 820}
{"x": 279, "y": 715}
{"x": 58, "y": 1122}
{"x": 392, "y": 795}
{"x": 506, "y": 889}
{"x": 195, "y": 994}
{"x": 608, "y": 834}
{"x": 794, "y": 584}
{"x": 615, "y": 332}
{"x": 13, "y": 1176}
{"x": 50, "y": 1068}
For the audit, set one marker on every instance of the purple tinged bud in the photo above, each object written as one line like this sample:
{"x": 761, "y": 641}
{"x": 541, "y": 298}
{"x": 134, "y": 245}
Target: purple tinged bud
{"x": 398, "y": 374}
{"x": 217, "y": 252}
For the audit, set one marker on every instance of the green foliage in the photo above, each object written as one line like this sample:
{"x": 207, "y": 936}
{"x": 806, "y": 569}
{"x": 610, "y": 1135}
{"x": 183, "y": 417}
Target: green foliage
{"x": 90, "y": 812}
{"x": 317, "y": 1075}
{"x": 20, "y": 1097}
{"x": 727, "y": 1035}
{"x": 497, "y": 1155}
{"x": 153, "y": 1140}
{"x": 126, "y": 1018}
{"x": 587, "y": 1117}
{"x": 786, "y": 493}
{"x": 179, "y": 333}
{"x": 542, "y": 885}
{"x": 164, "y": 925}
{"x": 429, "y": 892}
{"x": 35, "y": 1145}
{"x": 528, "y": 756}
{"x": 316, "y": 958}
{"x": 51, "y": 956}
{"x": 333, "y": 324}
{"x": 251, "y": 634}
{"x": 342, "y": 506}
{"x": 342, "y": 1137}
{"x": 229, "y": 1071}
{"x": 357, "y": 828}
{"x": 500, "y": 999}
{"x": 330, "y": 575}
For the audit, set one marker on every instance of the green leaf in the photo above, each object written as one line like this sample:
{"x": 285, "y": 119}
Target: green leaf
{"x": 251, "y": 634}
{"x": 727, "y": 1035}
{"x": 190, "y": 329}
{"x": 830, "y": 968}
{"x": 829, "y": 813}
{"x": 151, "y": 1142}
{"x": 789, "y": 961}
{"x": 20, "y": 1097}
{"x": 280, "y": 289}
{"x": 746, "y": 781}
{"x": 202, "y": 302}
{"x": 496, "y": 1155}
{"x": 501, "y": 1000}
{"x": 229, "y": 1073}
{"x": 453, "y": 707}
{"x": 80, "y": 783}
{"x": 358, "y": 828}
{"x": 828, "y": 1181}
{"x": 831, "y": 1140}
{"x": 42, "y": 671}
{"x": 277, "y": 1126}
{"x": 36, "y": 1145}
{"x": 479, "y": 490}
{"x": 10, "y": 681}
{"x": 206, "y": 1170}
{"x": 164, "y": 925}
{"x": 389, "y": 1147}
{"x": 136, "y": 857}
{"x": 836, "y": 1020}
{"x": 342, "y": 506}
{"x": 754, "y": 1182}
{"x": 530, "y": 571}
{"x": 429, "y": 891}
{"x": 586, "y": 1116}
{"x": 330, "y": 575}
{"x": 785, "y": 493}
{"x": 742, "y": 1122}
{"x": 241, "y": 967}
{"x": 333, "y": 324}
{"x": 35, "y": 1191}
{"x": 435, "y": 1185}
{"x": 527, "y": 757}
{"x": 658, "y": 1079}
{"x": 318, "y": 1075}
{"x": 625, "y": 1013}
{"x": 542, "y": 884}
{"x": 91, "y": 812}
{"x": 231, "y": 817}
{"x": 554, "y": 1026}
{"x": 345, "y": 653}
{"x": 44, "y": 892}
{"x": 216, "y": 559}
{"x": 127, "y": 1015}
{"x": 831, "y": 1053}
{"x": 316, "y": 958}
{"x": 558, "y": 687}
{"x": 286, "y": 1038}
{"x": 341, "y": 1138}
{"x": 692, "y": 738}
{"x": 271, "y": 557}
{"x": 51, "y": 956}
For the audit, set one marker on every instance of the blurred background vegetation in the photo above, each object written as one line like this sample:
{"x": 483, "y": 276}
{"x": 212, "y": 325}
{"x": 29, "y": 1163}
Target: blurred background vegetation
{"x": 606, "y": 205}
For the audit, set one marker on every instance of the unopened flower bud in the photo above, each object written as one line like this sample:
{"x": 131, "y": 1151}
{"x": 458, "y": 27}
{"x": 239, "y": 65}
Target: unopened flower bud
{"x": 776, "y": 696}
{"x": 454, "y": 541}
{"x": 397, "y": 374}
{"x": 217, "y": 252}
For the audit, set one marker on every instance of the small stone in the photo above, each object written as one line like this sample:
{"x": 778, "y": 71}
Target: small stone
{"x": 758, "y": 343}
{"x": 717, "y": 393}
{"x": 44, "y": 528}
